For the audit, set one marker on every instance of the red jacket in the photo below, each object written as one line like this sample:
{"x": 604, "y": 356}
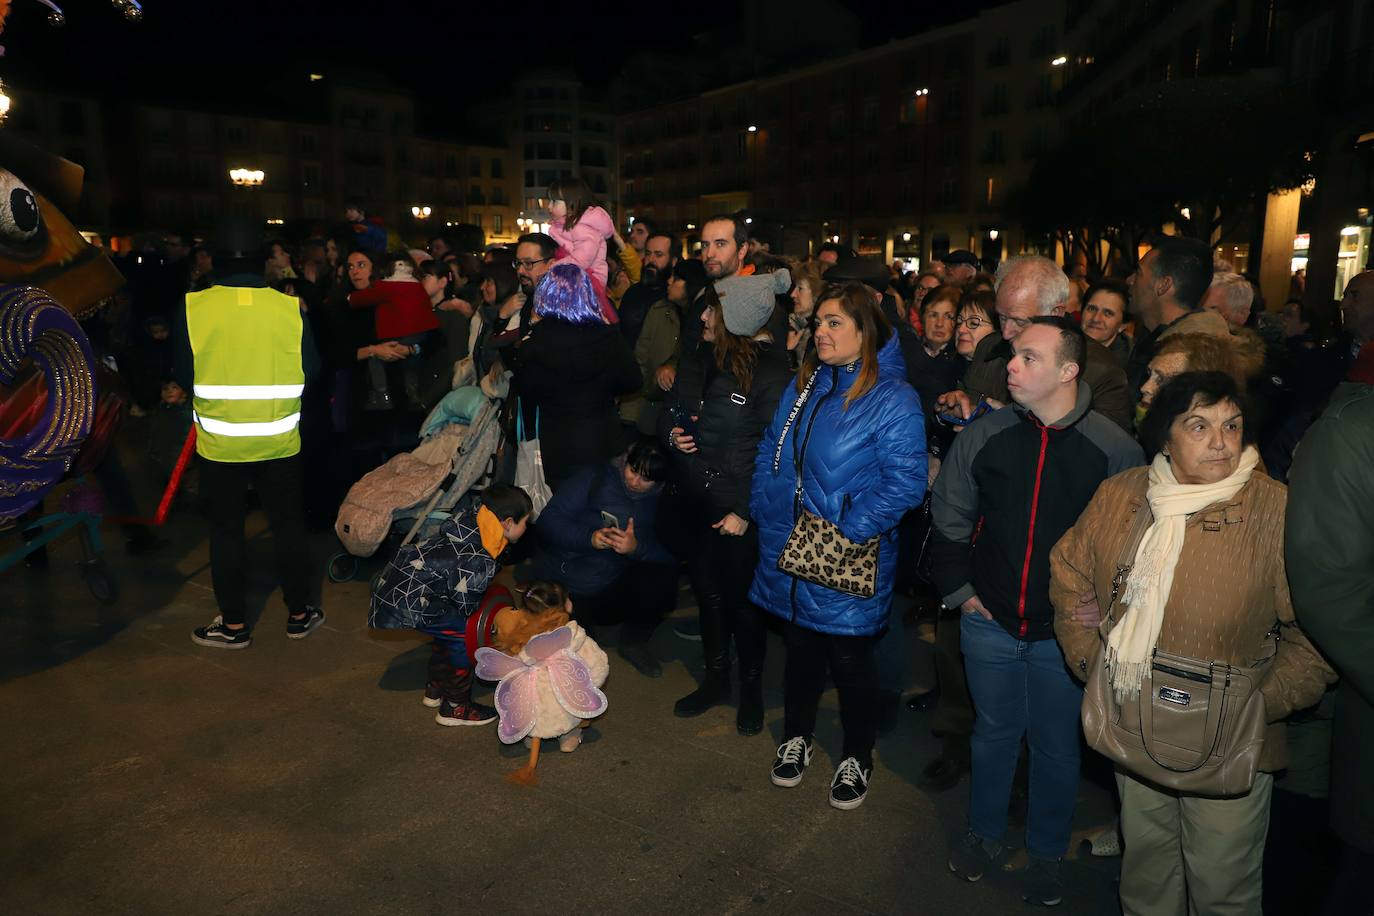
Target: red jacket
{"x": 402, "y": 308}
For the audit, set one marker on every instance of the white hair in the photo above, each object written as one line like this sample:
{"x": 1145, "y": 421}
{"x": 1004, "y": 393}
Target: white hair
{"x": 1237, "y": 295}
{"x": 1031, "y": 271}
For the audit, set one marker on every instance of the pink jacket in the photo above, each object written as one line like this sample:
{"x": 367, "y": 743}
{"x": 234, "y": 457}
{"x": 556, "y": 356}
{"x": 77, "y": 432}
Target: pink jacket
{"x": 585, "y": 244}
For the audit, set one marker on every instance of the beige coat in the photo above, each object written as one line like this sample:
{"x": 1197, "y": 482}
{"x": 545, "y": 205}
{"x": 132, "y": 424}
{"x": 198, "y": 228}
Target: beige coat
{"x": 1230, "y": 586}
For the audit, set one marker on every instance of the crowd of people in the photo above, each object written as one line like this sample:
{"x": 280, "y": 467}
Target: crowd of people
{"x": 1074, "y": 477}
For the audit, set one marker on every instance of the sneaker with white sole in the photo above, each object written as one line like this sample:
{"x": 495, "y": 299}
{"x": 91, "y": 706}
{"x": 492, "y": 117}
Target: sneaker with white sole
{"x": 794, "y": 755}
{"x": 434, "y": 696}
{"x": 973, "y": 857}
{"x": 464, "y": 714}
{"x": 301, "y": 627}
{"x": 1043, "y": 885}
{"x": 850, "y": 785}
{"x": 218, "y": 636}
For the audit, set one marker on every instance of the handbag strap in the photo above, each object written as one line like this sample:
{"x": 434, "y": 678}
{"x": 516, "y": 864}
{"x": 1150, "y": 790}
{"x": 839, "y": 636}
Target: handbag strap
{"x": 1139, "y": 525}
{"x": 792, "y": 418}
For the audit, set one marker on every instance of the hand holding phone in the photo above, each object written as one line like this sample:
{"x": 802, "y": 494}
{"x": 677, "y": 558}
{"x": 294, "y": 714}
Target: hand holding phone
{"x": 608, "y": 520}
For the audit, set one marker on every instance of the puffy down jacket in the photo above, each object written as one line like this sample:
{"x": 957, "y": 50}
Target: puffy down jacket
{"x": 863, "y": 468}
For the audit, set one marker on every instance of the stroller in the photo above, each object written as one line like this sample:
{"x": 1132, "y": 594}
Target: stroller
{"x": 417, "y": 490}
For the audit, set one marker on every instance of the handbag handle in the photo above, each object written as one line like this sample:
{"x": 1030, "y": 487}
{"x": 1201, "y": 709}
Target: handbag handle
{"x": 1211, "y": 729}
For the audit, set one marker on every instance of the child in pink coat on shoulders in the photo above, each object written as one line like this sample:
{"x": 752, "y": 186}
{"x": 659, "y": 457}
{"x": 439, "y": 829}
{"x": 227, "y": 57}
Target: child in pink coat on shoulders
{"x": 581, "y": 228}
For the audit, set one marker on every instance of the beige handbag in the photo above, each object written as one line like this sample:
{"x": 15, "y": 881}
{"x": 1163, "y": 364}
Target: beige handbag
{"x": 1197, "y": 727}
{"x": 816, "y": 552}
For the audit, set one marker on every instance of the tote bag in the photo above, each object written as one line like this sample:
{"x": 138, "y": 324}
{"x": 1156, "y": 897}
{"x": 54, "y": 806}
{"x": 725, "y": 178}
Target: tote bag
{"x": 529, "y": 464}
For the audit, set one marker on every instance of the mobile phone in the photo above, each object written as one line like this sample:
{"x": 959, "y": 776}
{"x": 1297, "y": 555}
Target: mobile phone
{"x": 608, "y": 520}
{"x": 683, "y": 419}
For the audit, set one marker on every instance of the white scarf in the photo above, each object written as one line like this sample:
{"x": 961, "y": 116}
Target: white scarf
{"x": 1131, "y": 643}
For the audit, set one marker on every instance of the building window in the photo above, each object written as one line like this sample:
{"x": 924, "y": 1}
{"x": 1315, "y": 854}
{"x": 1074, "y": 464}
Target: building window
{"x": 475, "y": 195}
{"x": 475, "y": 219}
{"x": 308, "y": 144}
{"x": 496, "y": 223}
{"x": 475, "y": 167}
{"x": 310, "y": 176}
{"x": 870, "y": 115}
{"x": 496, "y": 169}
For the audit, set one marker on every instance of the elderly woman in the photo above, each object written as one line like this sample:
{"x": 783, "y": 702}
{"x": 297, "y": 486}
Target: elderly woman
{"x": 1207, "y": 581}
{"x": 806, "y": 284}
{"x": 847, "y": 447}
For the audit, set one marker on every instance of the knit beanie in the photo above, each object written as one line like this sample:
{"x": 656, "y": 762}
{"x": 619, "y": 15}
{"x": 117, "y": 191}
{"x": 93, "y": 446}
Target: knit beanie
{"x": 748, "y": 302}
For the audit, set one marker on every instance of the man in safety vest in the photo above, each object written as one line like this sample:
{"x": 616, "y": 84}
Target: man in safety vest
{"x": 245, "y": 354}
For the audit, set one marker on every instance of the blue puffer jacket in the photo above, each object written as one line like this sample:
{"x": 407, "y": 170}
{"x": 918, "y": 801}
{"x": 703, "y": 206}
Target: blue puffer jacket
{"x": 863, "y": 468}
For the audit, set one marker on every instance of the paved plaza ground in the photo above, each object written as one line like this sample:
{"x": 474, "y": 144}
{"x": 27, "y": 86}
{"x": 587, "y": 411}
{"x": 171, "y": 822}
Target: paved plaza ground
{"x": 143, "y": 774}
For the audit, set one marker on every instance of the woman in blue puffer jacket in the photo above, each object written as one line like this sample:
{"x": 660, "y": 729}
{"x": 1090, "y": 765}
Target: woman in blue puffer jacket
{"x": 854, "y": 428}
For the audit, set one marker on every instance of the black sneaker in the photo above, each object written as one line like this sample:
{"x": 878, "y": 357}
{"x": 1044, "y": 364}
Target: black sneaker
{"x": 1043, "y": 886}
{"x": 790, "y": 766}
{"x": 301, "y": 627}
{"x": 218, "y": 636}
{"x": 464, "y": 714}
{"x": 972, "y": 858}
{"x": 850, "y": 785}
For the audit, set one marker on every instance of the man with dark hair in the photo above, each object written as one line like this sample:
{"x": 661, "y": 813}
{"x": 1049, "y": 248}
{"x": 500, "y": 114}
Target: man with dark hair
{"x": 1166, "y": 295}
{"x": 597, "y": 536}
{"x": 1020, "y": 477}
{"x": 534, "y": 255}
{"x": 830, "y": 253}
{"x": 641, "y": 230}
{"x": 723, "y": 241}
{"x": 658, "y": 255}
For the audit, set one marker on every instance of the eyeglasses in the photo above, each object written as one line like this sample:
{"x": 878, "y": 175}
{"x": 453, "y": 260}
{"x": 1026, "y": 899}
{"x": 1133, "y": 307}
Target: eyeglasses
{"x": 973, "y": 322}
{"x": 528, "y": 263}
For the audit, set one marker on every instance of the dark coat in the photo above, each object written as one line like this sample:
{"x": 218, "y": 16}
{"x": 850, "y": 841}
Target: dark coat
{"x": 566, "y": 525}
{"x": 729, "y": 425}
{"x": 1020, "y": 485}
{"x": 1330, "y": 558}
{"x": 570, "y": 375}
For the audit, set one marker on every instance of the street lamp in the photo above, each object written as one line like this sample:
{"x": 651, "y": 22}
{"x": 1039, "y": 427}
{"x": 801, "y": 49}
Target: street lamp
{"x": 923, "y": 91}
{"x": 420, "y": 212}
{"x": 1059, "y": 61}
{"x": 4, "y": 102}
{"x": 906, "y": 236}
{"x": 753, "y": 128}
{"x": 247, "y": 178}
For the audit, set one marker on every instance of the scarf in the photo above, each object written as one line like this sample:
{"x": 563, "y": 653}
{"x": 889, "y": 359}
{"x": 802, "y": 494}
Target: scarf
{"x": 1131, "y": 643}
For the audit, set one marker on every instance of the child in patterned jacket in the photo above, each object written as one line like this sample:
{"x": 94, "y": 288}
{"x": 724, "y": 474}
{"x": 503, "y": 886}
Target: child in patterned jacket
{"x": 442, "y": 586}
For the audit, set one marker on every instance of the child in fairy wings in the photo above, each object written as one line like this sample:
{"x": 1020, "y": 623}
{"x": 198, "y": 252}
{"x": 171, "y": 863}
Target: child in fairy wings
{"x": 549, "y": 672}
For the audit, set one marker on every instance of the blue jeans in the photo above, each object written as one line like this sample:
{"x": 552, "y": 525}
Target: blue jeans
{"x": 1021, "y": 688}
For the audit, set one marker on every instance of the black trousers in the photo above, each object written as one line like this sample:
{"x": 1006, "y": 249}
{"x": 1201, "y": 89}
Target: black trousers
{"x": 639, "y": 599}
{"x": 278, "y": 483}
{"x": 721, "y": 575}
{"x": 850, "y": 662}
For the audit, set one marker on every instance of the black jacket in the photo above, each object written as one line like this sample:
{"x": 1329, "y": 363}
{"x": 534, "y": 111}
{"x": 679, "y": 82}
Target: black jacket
{"x": 571, "y": 375}
{"x": 729, "y": 424}
{"x": 1009, "y": 489}
{"x": 932, "y": 376}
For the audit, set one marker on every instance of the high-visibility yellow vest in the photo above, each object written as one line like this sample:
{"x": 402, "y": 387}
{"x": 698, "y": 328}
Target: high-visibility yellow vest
{"x": 248, "y": 373}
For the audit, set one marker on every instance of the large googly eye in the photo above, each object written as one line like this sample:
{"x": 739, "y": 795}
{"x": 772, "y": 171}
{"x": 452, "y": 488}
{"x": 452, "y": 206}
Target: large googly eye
{"x": 20, "y": 219}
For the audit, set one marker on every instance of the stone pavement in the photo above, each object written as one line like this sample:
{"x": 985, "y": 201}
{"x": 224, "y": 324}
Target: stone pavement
{"x": 143, "y": 774}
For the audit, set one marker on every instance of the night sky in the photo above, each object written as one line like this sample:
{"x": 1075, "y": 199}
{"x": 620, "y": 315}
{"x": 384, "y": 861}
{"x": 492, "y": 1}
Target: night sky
{"x": 211, "y": 50}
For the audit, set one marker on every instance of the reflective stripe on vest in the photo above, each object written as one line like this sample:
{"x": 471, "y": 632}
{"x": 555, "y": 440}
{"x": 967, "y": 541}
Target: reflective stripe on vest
{"x": 247, "y": 392}
{"x": 246, "y": 397}
{"x": 272, "y": 428}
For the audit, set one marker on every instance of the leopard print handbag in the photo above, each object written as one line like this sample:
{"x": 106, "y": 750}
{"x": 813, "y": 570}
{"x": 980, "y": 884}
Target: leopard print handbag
{"x": 816, "y": 552}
